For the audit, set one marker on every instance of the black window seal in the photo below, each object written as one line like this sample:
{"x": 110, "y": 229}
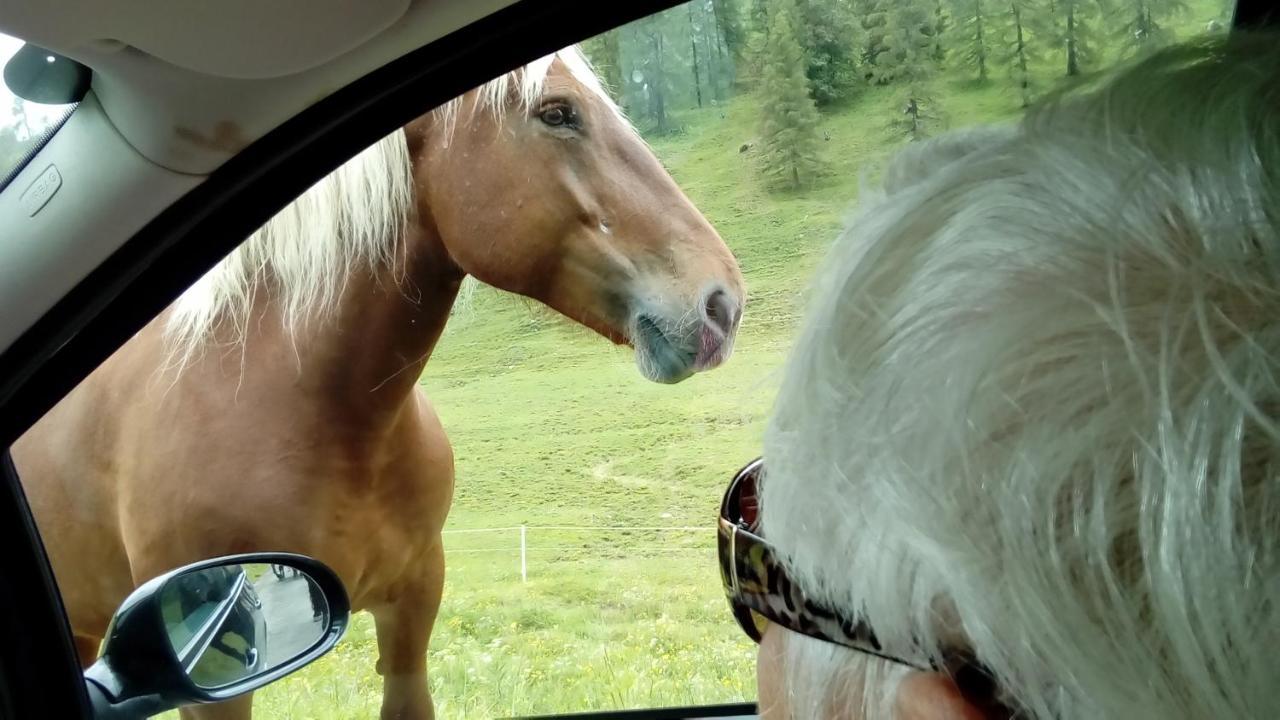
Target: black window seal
{"x": 45, "y": 135}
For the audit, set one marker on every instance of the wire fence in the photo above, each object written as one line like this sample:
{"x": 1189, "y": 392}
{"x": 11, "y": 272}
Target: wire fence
{"x": 521, "y": 539}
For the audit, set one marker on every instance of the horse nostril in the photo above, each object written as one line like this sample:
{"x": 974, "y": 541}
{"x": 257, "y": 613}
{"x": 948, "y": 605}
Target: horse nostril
{"x": 719, "y": 310}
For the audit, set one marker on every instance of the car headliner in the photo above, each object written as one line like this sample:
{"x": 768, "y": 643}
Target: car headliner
{"x": 178, "y": 88}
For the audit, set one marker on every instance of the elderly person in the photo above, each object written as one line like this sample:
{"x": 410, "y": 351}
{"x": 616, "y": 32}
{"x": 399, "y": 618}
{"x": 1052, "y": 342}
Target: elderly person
{"x": 1024, "y": 462}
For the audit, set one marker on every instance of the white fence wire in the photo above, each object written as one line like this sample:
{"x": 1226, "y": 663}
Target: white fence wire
{"x": 525, "y": 530}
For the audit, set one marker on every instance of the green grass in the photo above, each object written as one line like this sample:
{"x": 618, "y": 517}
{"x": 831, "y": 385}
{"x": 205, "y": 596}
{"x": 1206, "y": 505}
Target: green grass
{"x": 552, "y": 426}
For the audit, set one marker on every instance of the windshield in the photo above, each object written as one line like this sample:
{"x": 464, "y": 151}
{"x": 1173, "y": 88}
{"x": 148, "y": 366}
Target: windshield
{"x": 24, "y": 125}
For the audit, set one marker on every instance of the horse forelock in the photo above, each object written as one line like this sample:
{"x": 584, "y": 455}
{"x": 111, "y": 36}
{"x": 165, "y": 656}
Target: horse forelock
{"x": 354, "y": 218}
{"x": 526, "y": 84}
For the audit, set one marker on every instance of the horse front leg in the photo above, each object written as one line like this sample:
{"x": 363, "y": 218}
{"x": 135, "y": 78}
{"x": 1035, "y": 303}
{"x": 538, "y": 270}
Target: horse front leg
{"x": 404, "y": 626}
{"x": 87, "y": 650}
{"x": 239, "y": 708}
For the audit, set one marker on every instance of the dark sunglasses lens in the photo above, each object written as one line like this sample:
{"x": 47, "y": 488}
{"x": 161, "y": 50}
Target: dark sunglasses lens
{"x": 748, "y": 501}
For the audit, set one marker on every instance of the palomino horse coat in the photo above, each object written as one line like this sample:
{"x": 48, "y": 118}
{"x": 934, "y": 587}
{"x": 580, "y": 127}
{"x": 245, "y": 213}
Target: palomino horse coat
{"x": 275, "y": 405}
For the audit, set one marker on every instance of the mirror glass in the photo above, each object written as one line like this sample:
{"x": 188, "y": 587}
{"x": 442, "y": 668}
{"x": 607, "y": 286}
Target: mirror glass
{"x": 232, "y": 622}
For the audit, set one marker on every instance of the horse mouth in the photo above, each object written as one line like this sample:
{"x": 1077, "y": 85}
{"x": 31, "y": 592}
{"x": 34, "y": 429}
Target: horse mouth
{"x": 668, "y": 356}
{"x": 660, "y": 357}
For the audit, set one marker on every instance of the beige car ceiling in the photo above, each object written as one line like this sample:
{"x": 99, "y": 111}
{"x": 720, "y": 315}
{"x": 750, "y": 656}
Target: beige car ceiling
{"x": 179, "y": 87}
{"x": 190, "y": 82}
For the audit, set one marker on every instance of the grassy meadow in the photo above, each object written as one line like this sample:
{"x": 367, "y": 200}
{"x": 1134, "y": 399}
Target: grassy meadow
{"x": 552, "y": 426}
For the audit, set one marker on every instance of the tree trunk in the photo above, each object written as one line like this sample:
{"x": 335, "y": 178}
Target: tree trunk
{"x": 1073, "y": 55}
{"x": 693, "y": 50}
{"x": 659, "y": 100}
{"x": 981, "y": 41}
{"x": 717, "y": 73}
{"x": 605, "y": 53}
{"x": 1024, "y": 77}
{"x": 730, "y": 36}
{"x": 939, "y": 50}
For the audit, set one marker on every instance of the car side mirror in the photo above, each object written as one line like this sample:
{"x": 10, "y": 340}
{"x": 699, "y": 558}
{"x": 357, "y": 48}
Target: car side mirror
{"x": 213, "y": 630}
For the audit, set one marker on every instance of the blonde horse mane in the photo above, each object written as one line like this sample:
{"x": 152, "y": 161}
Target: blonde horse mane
{"x": 353, "y": 219}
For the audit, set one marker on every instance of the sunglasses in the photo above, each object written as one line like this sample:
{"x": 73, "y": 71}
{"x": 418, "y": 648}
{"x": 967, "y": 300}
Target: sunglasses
{"x": 760, "y": 592}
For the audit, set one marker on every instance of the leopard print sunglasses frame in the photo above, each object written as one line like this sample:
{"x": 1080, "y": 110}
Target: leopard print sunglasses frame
{"x": 760, "y": 591}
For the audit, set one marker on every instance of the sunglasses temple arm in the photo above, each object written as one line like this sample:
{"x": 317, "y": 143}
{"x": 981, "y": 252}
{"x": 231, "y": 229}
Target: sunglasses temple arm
{"x": 733, "y": 559}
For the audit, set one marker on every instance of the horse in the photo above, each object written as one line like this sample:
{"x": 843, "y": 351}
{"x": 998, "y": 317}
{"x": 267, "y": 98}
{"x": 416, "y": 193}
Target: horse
{"x": 275, "y": 404}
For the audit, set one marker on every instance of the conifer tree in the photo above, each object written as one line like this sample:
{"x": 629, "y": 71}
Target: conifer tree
{"x": 1143, "y": 24}
{"x": 828, "y": 33}
{"x": 1076, "y": 31}
{"x": 789, "y": 120}
{"x": 606, "y": 57}
{"x": 906, "y": 55}
{"x": 973, "y": 21}
{"x": 1023, "y": 38}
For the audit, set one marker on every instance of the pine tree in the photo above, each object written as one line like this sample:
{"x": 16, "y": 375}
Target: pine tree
{"x": 827, "y": 30}
{"x": 872, "y": 25}
{"x": 729, "y": 22}
{"x": 940, "y": 26}
{"x": 693, "y": 53}
{"x": 647, "y": 82}
{"x": 759, "y": 13}
{"x": 1075, "y": 23}
{"x": 906, "y": 54}
{"x": 1022, "y": 43}
{"x": 1143, "y": 24}
{"x": 788, "y": 128}
{"x": 605, "y": 54}
{"x": 973, "y": 21}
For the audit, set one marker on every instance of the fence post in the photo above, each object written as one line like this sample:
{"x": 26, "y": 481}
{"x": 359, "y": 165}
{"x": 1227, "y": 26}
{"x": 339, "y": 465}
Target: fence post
{"x": 524, "y": 568}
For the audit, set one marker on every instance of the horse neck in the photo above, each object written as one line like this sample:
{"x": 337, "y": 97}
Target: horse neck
{"x": 361, "y": 366}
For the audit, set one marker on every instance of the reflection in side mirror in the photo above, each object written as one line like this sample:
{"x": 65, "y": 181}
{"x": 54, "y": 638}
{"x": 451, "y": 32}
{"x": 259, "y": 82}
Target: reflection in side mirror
{"x": 231, "y": 622}
{"x": 214, "y": 630}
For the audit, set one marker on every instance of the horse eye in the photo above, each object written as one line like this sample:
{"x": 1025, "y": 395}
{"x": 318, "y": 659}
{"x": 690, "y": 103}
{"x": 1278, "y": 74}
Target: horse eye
{"x": 556, "y": 116}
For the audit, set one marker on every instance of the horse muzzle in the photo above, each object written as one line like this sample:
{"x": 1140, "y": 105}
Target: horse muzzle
{"x": 669, "y": 351}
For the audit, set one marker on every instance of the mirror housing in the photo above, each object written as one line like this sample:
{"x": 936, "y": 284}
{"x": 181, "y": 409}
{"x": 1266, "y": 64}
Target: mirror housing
{"x": 139, "y": 673}
{"x": 43, "y": 76}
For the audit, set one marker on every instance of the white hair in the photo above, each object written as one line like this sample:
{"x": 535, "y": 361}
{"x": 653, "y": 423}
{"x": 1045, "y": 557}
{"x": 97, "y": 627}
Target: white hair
{"x": 1033, "y": 408}
{"x": 354, "y": 218}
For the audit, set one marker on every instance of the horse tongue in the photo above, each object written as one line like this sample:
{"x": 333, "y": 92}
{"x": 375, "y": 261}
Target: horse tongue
{"x": 711, "y": 342}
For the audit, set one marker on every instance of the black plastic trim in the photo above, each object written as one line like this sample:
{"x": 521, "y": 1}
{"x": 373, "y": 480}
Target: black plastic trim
{"x": 1255, "y": 14}
{"x": 674, "y": 713}
{"x": 38, "y": 666}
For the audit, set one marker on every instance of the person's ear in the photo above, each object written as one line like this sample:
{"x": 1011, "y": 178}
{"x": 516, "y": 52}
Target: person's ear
{"x": 933, "y": 696}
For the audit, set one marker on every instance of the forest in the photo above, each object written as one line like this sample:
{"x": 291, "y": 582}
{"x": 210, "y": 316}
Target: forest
{"x": 803, "y": 58}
